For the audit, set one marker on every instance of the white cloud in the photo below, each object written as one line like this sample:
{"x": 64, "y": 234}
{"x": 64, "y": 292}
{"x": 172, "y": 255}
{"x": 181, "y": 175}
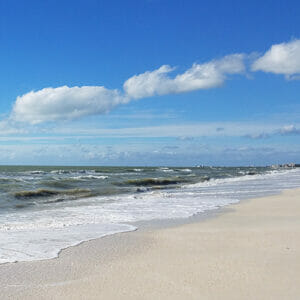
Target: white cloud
{"x": 65, "y": 103}
{"x": 199, "y": 76}
{"x": 149, "y": 83}
{"x": 10, "y": 128}
{"x": 284, "y": 130}
{"x": 281, "y": 58}
{"x": 257, "y": 136}
{"x": 289, "y": 130}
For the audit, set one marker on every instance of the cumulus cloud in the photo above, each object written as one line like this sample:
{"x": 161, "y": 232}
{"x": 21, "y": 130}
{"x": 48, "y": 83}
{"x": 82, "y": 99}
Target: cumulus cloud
{"x": 199, "y": 76}
{"x": 51, "y": 104}
{"x": 281, "y": 58}
{"x": 67, "y": 103}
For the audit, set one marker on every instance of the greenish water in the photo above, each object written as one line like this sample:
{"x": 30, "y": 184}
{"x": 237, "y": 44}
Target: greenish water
{"x": 32, "y": 187}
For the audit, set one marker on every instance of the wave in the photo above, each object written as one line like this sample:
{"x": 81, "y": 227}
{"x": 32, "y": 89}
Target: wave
{"x": 23, "y": 205}
{"x": 247, "y": 177}
{"x": 251, "y": 173}
{"x": 36, "y": 172}
{"x": 47, "y": 193}
{"x": 89, "y": 177}
{"x": 185, "y": 170}
{"x": 204, "y": 178}
{"x": 65, "y": 183}
{"x": 154, "y": 181}
{"x": 166, "y": 170}
{"x": 60, "y": 172}
{"x": 6, "y": 179}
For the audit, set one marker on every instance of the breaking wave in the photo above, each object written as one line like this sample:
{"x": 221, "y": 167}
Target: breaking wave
{"x": 154, "y": 181}
{"x": 46, "y": 193}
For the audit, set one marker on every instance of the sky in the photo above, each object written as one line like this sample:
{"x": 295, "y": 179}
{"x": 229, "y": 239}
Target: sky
{"x": 149, "y": 82}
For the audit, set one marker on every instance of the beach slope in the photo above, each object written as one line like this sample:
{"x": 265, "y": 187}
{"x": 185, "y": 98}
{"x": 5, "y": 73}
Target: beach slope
{"x": 249, "y": 251}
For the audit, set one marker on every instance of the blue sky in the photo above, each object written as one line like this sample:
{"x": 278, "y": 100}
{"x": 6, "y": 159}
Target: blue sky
{"x": 149, "y": 82}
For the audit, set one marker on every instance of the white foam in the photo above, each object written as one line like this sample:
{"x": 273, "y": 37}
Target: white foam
{"x": 89, "y": 177}
{"x": 166, "y": 170}
{"x": 186, "y": 170}
{"x": 27, "y": 245}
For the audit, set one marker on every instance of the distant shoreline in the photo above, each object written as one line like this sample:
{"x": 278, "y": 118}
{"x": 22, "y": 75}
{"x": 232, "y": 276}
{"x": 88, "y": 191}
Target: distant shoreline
{"x": 296, "y": 165}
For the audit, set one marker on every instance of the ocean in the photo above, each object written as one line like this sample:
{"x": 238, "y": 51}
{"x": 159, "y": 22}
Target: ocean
{"x": 46, "y": 209}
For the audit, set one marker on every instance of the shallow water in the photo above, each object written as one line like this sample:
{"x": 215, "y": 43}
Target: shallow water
{"x": 45, "y": 209}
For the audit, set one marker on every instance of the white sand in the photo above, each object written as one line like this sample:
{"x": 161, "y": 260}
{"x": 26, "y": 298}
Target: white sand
{"x": 252, "y": 251}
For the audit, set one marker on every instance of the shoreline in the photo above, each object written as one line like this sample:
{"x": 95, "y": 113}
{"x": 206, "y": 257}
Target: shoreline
{"x": 71, "y": 223}
{"x": 85, "y": 267}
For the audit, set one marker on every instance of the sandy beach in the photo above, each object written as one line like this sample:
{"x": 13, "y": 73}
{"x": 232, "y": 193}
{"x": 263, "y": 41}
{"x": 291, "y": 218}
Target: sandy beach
{"x": 250, "y": 250}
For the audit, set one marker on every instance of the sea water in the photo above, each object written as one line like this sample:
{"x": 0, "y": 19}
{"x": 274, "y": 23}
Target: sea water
{"x": 46, "y": 209}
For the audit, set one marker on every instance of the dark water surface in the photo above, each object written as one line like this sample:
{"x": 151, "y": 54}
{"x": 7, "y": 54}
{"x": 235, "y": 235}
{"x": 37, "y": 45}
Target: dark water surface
{"x": 31, "y": 187}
